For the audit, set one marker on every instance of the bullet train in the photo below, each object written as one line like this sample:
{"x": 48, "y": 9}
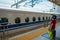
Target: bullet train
{"x": 13, "y": 20}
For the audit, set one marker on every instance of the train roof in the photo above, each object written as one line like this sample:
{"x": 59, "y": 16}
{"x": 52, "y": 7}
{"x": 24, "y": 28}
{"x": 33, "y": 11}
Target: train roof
{"x": 27, "y": 10}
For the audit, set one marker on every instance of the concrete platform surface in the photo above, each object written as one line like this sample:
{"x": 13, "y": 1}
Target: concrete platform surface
{"x": 44, "y": 36}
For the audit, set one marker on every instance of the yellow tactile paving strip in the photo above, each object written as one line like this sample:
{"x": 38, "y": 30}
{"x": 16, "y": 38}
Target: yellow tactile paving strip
{"x": 33, "y": 34}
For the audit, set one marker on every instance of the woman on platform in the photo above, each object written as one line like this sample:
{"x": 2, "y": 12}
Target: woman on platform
{"x": 52, "y": 27}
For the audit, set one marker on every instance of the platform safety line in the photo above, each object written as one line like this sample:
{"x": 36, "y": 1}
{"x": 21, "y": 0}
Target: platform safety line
{"x": 24, "y": 34}
{"x": 31, "y": 35}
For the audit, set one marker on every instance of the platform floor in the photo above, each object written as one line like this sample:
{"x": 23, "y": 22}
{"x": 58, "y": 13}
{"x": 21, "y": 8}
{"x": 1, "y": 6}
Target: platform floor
{"x": 44, "y": 36}
{"x": 38, "y": 34}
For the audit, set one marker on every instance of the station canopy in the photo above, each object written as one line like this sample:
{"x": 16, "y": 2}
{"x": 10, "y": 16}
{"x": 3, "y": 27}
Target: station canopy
{"x": 37, "y": 5}
{"x": 57, "y": 2}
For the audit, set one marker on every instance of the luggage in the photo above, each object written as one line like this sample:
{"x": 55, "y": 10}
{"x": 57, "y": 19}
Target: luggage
{"x": 50, "y": 35}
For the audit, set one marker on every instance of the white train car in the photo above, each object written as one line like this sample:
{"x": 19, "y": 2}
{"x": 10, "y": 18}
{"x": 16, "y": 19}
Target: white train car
{"x": 11, "y": 15}
{"x": 17, "y": 20}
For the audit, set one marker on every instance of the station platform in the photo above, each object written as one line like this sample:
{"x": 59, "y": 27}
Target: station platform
{"x": 38, "y": 34}
{"x": 44, "y": 36}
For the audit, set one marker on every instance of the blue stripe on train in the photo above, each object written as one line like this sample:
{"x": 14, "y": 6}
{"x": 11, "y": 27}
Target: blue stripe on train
{"x": 19, "y": 25}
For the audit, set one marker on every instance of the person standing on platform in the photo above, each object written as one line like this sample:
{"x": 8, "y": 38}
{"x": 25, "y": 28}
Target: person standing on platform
{"x": 52, "y": 27}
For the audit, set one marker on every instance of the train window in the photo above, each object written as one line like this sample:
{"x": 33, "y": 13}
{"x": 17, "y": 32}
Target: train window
{"x": 0, "y": 18}
{"x": 4, "y": 19}
{"x": 46, "y": 18}
{"x": 49, "y": 18}
{"x": 17, "y": 20}
{"x": 34, "y": 19}
{"x": 43, "y": 18}
{"x": 27, "y": 19}
{"x": 39, "y": 19}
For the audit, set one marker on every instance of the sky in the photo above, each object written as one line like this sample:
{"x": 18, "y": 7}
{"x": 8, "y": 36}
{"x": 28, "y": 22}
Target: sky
{"x": 42, "y": 6}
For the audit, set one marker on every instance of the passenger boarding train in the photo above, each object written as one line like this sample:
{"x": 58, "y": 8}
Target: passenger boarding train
{"x": 16, "y": 19}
